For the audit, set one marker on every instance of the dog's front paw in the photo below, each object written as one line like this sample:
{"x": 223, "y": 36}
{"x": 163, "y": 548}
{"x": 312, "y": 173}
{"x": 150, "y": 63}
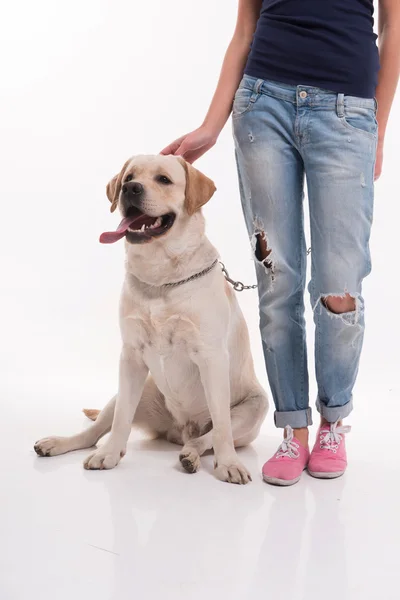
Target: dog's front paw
{"x": 51, "y": 446}
{"x": 232, "y": 471}
{"x": 103, "y": 458}
{"x": 190, "y": 460}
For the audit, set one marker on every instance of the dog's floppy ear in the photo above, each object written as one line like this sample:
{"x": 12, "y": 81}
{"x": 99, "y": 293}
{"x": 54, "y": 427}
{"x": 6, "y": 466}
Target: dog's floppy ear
{"x": 113, "y": 188}
{"x": 199, "y": 188}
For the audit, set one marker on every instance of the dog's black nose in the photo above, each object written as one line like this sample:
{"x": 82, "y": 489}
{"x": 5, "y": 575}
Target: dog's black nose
{"x": 133, "y": 188}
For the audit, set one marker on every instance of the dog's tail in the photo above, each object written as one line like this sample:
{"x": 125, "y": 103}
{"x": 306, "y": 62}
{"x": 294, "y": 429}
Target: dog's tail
{"x": 91, "y": 413}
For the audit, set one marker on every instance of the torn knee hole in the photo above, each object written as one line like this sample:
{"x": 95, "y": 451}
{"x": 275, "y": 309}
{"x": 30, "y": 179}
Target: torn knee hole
{"x": 339, "y": 304}
{"x": 262, "y": 252}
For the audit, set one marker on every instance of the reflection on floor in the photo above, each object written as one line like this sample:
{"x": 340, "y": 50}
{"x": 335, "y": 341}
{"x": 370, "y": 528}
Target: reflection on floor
{"x": 148, "y": 530}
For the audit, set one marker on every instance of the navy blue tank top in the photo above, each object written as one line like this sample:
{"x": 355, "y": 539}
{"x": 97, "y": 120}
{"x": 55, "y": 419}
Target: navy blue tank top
{"x": 329, "y": 44}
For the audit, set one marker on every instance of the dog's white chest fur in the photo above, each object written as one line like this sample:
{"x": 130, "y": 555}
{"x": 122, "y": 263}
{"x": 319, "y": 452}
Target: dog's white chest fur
{"x": 167, "y": 342}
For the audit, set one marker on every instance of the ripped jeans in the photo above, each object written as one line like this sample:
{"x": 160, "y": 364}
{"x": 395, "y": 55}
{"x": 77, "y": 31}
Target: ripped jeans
{"x": 282, "y": 134}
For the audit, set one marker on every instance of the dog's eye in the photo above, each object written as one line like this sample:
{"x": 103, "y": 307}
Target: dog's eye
{"x": 128, "y": 178}
{"x": 163, "y": 179}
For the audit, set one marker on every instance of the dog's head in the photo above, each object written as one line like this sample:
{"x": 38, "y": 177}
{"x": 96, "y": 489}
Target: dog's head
{"x": 154, "y": 193}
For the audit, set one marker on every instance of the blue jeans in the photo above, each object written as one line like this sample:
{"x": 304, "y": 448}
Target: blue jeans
{"x": 282, "y": 134}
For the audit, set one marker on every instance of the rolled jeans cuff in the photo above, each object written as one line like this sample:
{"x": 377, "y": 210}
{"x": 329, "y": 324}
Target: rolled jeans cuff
{"x": 295, "y": 418}
{"x": 334, "y": 413}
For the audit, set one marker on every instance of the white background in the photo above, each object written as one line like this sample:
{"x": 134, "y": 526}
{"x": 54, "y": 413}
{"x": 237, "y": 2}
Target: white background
{"x": 84, "y": 85}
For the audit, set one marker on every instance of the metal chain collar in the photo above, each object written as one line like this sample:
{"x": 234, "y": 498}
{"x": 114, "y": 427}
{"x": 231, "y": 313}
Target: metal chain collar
{"x": 195, "y": 276}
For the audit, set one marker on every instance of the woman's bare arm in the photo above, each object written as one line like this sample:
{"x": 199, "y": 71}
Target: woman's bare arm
{"x": 233, "y": 65}
{"x": 193, "y": 145}
{"x": 389, "y": 52}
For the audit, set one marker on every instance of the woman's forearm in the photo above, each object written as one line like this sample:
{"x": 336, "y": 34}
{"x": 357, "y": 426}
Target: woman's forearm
{"x": 233, "y": 65}
{"x": 389, "y": 53}
{"x": 231, "y": 74}
{"x": 194, "y": 144}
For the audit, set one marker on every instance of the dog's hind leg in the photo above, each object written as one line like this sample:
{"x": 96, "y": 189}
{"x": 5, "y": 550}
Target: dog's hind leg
{"x": 151, "y": 415}
{"x": 246, "y": 417}
{"x": 91, "y": 413}
{"x": 52, "y": 446}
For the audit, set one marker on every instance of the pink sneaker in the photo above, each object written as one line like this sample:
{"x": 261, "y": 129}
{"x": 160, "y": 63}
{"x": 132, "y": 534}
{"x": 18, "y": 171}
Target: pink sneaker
{"x": 287, "y": 465}
{"x": 328, "y": 457}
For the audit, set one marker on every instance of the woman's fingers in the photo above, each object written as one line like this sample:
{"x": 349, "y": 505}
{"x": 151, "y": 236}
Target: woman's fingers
{"x": 173, "y": 147}
{"x": 184, "y": 148}
{"x": 170, "y": 149}
{"x": 193, "y": 155}
{"x": 191, "y": 146}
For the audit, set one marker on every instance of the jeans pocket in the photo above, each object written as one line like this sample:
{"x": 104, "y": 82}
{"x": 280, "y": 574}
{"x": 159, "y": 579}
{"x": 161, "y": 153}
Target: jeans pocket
{"x": 243, "y": 102}
{"x": 361, "y": 120}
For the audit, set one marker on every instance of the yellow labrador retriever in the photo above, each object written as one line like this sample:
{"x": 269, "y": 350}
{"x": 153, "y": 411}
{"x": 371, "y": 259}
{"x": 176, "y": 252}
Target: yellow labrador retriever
{"x": 186, "y": 372}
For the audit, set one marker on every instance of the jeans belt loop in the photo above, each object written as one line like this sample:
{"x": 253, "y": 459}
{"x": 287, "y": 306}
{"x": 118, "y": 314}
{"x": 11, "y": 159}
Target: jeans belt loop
{"x": 256, "y": 90}
{"x": 340, "y": 105}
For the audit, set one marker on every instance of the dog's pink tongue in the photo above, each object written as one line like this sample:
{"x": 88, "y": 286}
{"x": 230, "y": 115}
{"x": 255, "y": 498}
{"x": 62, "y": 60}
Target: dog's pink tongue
{"x": 109, "y": 237}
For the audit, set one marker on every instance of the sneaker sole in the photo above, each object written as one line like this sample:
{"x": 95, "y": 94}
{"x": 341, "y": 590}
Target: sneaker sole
{"x": 280, "y": 482}
{"x": 318, "y": 475}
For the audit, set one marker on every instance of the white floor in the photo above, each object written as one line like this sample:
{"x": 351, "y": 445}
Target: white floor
{"x": 148, "y": 530}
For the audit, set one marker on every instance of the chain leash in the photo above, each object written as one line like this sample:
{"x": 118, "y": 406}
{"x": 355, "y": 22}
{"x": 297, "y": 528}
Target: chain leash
{"x": 238, "y": 286}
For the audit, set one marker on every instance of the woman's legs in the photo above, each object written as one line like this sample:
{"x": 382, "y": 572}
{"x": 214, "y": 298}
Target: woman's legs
{"x": 279, "y": 132}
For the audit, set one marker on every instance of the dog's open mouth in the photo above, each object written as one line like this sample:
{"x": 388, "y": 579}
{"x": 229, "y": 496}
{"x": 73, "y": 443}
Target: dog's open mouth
{"x": 138, "y": 227}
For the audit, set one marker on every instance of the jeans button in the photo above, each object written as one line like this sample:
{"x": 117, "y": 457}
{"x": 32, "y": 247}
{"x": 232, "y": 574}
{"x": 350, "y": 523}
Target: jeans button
{"x": 303, "y": 94}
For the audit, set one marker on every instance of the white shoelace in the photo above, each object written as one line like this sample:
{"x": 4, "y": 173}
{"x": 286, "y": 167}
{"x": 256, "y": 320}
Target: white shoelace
{"x": 330, "y": 440}
{"x": 289, "y": 447}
